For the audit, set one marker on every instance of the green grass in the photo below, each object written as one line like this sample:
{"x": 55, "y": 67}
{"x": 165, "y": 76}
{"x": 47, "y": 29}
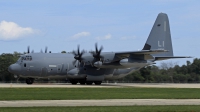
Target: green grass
{"x": 105, "y": 109}
{"x": 97, "y": 93}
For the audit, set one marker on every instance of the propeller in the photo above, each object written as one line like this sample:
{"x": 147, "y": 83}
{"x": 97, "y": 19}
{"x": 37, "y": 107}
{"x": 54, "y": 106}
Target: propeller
{"x": 28, "y": 49}
{"x": 78, "y": 55}
{"x": 41, "y": 51}
{"x": 32, "y": 51}
{"x": 46, "y": 48}
{"x": 97, "y": 53}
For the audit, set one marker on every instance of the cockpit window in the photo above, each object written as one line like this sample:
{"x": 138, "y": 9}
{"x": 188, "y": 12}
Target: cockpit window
{"x": 27, "y": 58}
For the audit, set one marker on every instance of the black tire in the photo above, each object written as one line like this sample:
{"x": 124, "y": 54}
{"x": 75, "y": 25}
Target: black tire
{"x": 74, "y": 82}
{"x": 98, "y": 82}
{"x": 29, "y": 81}
{"x": 82, "y": 82}
{"x": 89, "y": 82}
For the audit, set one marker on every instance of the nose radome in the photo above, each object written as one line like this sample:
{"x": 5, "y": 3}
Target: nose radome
{"x": 14, "y": 68}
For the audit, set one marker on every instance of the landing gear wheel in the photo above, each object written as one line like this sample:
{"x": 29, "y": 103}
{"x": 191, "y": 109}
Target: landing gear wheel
{"x": 29, "y": 81}
{"x": 74, "y": 82}
{"x": 89, "y": 82}
{"x": 97, "y": 82}
{"x": 82, "y": 82}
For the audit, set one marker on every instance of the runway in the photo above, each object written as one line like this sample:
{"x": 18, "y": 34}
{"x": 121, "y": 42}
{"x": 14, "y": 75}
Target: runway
{"x": 103, "y": 85}
{"x": 108, "y": 102}
{"x": 105, "y": 102}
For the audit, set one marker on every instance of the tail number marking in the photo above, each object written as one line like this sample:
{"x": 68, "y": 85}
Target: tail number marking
{"x": 161, "y": 44}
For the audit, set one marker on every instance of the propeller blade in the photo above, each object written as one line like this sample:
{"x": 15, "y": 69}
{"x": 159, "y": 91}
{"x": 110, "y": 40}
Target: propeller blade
{"x": 101, "y": 49}
{"x": 74, "y": 62}
{"x": 74, "y": 52}
{"x": 32, "y": 51}
{"x": 28, "y": 49}
{"x": 78, "y": 50}
{"x": 78, "y": 64}
{"x": 96, "y": 47}
{"x": 46, "y": 49}
{"x": 97, "y": 53}
{"x": 78, "y": 55}
{"x": 82, "y": 52}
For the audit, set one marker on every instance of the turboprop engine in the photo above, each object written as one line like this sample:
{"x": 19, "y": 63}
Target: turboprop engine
{"x": 98, "y": 64}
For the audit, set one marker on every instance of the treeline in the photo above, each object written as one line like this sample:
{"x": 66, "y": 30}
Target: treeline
{"x": 6, "y": 60}
{"x": 166, "y": 72}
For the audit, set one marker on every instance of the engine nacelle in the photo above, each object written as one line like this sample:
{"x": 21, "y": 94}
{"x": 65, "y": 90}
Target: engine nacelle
{"x": 98, "y": 64}
{"x": 133, "y": 63}
{"x": 124, "y": 62}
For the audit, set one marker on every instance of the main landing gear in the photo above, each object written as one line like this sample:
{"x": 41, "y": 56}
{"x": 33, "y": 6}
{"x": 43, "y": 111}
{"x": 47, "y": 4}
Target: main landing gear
{"x": 29, "y": 80}
{"x": 83, "y": 82}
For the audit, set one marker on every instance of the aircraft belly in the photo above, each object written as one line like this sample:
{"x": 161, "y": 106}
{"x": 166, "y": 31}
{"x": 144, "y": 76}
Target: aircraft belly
{"x": 119, "y": 73}
{"x": 95, "y": 78}
{"x": 89, "y": 73}
{"x": 44, "y": 77}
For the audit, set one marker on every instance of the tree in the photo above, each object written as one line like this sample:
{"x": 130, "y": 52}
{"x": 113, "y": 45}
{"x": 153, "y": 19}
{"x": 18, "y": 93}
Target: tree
{"x": 167, "y": 68}
{"x": 146, "y": 73}
{"x": 5, "y": 61}
{"x": 63, "y": 52}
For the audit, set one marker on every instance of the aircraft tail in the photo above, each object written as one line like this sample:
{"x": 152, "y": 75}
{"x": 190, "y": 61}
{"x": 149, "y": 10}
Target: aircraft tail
{"x": 160, "y": 37}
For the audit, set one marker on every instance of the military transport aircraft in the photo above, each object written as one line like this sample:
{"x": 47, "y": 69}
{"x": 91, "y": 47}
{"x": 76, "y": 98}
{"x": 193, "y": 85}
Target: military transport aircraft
{"x": 94, "y": 67}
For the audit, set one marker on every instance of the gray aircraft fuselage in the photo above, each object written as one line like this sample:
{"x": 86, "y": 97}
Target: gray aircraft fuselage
{"x": 97, "y": 66}
{"x": 59, "y": 65}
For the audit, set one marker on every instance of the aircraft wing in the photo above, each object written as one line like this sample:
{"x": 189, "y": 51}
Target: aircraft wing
{"x": 122, "y": 55}
{"x": 157, "y": 58}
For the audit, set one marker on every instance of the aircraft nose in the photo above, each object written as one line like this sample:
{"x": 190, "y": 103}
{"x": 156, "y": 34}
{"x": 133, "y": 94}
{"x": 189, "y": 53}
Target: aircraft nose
{"x": 14, "y": 68}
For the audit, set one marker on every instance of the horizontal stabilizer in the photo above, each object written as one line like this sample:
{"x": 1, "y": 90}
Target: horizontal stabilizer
{"x": 157, "y": 58}
{"x": 122, "y": 55}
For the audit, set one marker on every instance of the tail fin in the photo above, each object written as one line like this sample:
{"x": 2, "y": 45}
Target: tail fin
{"x": 160, "y": 37}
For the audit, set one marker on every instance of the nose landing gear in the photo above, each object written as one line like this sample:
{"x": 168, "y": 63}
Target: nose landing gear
{"x": 29, "y": 80}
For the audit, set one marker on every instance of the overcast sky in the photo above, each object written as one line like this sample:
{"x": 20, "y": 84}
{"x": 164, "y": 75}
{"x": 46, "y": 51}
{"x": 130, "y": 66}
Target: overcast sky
{"x": 118, "y": 25}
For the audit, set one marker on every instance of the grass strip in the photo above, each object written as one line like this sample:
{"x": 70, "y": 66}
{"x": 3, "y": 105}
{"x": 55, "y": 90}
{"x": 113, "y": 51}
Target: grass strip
{"x": 105, "y": 109}
{"x": 97, "y": 93}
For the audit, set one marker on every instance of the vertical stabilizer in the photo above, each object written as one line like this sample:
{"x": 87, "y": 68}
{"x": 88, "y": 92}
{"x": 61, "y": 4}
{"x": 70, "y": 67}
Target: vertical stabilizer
{"x": 160, "y": 37}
